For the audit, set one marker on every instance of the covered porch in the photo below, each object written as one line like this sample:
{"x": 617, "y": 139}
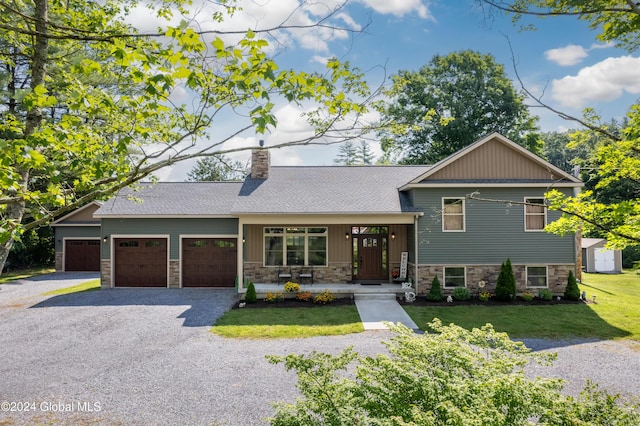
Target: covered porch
{"x": 345, "y": 290}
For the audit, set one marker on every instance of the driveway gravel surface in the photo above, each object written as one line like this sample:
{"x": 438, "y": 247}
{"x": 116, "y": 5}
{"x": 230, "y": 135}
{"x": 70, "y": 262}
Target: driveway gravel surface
{"x": 146, "y": 356}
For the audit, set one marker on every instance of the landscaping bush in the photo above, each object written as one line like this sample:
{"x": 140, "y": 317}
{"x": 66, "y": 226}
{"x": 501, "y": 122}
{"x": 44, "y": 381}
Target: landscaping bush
{"x": 461, "y": 293}
{"x": 324, "y": 298}
{"x": 274, "y": 297}
{"x": 435, "y": 293}
{"x": 527, "y": 296}
{"x": 545, "y": 294}
{"x": 251, "y": 296}
{"x": 305, "y": 296}
{"x": 506, "y": 285}
{"x": 484, "y": 296}
{"x": 572, "y": 292}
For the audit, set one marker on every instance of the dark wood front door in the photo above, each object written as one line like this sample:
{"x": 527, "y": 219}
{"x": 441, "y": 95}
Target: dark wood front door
{"x": 209, "y": 262}
{"x": 370, "y": 259}
{"x": 140, "y": 262}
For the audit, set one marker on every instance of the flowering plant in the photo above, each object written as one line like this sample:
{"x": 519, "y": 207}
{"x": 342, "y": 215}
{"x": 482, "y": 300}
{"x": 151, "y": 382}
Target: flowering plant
{"x": 291, "y": 287}
{"x": 484, "y": 296}
{"x": 274, "y": 297}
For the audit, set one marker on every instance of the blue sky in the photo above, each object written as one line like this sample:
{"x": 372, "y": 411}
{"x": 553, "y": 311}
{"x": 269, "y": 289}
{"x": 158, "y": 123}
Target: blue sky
{"x": 562, "y": 57}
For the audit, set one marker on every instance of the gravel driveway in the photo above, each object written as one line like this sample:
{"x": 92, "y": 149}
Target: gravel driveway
{"x": 145, "y": 356}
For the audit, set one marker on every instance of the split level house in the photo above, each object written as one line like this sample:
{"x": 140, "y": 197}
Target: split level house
{"x": 458, "y": 219}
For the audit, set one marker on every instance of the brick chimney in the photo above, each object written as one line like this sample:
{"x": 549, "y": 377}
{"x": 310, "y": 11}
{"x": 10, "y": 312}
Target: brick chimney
{"x": 260, "y": 163}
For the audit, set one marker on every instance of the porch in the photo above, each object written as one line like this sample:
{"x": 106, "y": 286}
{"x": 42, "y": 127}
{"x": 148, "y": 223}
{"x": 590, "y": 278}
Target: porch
{"x": 340, "y": 290}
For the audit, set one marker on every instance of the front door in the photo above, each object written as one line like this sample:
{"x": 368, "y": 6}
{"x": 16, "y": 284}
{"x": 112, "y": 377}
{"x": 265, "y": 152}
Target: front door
{"x": 370, "y": 253}
{"x": 370, "y": 257}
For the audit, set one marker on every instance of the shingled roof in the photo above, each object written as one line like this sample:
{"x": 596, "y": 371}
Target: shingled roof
{"x": 288, "y": 190}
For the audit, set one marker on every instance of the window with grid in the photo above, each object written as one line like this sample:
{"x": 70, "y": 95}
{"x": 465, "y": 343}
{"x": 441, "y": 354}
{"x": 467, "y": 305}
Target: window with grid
{"x": 295, "y": 246}
{"x": 453, "y": 214}
{"x": 454, "y": 276}
{"x": 535, "y": 214}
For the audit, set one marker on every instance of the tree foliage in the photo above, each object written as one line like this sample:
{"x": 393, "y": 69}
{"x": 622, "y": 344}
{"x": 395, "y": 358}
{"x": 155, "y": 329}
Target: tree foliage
{"x": 572, "y": 291}
{"x": 613, "y": 214}
{"x": 435, "y": 292}
{"x": 217, "y": 168}
{"x": 90, "y": 105}
{"x": 451, "y": 376}
{"x": 450, "y": 103}
{"x": 506, "y": 288}
{"x": 351, "y": 155}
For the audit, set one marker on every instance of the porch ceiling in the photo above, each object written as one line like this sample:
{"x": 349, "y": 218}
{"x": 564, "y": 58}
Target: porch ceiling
{"x": 325, "y": 219}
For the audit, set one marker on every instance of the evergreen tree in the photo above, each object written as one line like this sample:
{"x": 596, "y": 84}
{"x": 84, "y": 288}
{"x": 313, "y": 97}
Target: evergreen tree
{"x": 251, "y": 296}
{"x": 217, "y": 168}
{"x": 347, "y": 154}
{"x": 572, "y": 292}
{"x": 506, "y": 285}
{"x": 435, "y": 293}
{"x": 366, "y": 157}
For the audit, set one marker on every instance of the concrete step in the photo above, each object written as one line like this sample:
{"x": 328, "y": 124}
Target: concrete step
{"x": 374, "y": 296}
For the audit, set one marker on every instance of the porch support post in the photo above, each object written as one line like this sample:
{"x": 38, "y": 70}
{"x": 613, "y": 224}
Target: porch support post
{"x": 240, "y": 255}
{"x": 415, "y": 250}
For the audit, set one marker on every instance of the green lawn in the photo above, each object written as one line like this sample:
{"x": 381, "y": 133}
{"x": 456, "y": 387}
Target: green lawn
{"x": 258, "y": 323}
{"x": 615, "y": 315}
{"x": 24, "y": 273}
{"x": 87, "y": 286}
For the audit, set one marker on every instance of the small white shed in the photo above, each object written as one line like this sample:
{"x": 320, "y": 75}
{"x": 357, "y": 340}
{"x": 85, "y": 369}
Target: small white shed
{"x": 597, "y": 258}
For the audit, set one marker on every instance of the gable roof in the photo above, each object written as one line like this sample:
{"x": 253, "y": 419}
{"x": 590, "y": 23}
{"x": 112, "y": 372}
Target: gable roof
{"x": 82, "y": 216}
{"x": 328, "y": 190}
{"x": 201, "y": 199}
{"x": 494, "y": 160}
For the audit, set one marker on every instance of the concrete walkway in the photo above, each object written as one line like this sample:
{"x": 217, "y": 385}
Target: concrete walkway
{"x": 376, "y": 309}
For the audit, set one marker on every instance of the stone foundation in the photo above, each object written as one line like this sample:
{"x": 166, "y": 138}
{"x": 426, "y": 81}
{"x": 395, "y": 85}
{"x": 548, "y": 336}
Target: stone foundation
{"x": 174, "y": 273}
{"x": 105, "y": 273}
{"x": 335, "y": 273}
{"x": 59, "y": 265}
{"x": 557, "y": 278}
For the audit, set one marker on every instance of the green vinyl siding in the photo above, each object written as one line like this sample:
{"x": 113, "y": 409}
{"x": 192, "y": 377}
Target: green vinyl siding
{"x": 494, "y": 230}
{"x": 172, "y": 227}
{"x": 77, "y": 232}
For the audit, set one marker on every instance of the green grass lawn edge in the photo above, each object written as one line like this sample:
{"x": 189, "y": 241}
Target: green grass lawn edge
{"x": 282, "y": 323}
{"x": 25, "y": 273}
{"x": 79, "y": 288}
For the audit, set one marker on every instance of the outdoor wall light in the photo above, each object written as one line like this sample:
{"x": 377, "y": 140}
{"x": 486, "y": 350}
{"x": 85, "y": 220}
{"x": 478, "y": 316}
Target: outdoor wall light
{"x": 105, "y": 239}
{"x": 393, "y": 235}
{"x": 347, "y": 236}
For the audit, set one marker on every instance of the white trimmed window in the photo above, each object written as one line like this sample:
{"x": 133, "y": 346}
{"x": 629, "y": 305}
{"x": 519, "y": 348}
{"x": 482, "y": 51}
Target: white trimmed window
{"x": 453, "y": 214}
{"x": 295, "y": 246}
{"x": 535, "y": 214}
{"x": 455, "y": 276}
{"x": 537, "y": 276}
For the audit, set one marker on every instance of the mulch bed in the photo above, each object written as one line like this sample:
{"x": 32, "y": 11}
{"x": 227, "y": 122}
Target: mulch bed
{"x": 420, "y": 301}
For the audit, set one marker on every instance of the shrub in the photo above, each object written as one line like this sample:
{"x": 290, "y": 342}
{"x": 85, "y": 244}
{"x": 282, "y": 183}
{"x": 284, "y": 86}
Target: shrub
{"x": 324, "y": 298}
{"x": 527, "y": 296}
{"x": 545, "y": 294}
{"x": 475, "y": 377}
{"x": 506, "y": 285}
{"x": 572, "y": 292}
{"x": 484, "y": 296}
{"x": 274, "y": 297}
{"x": 461, "y": 293}
{"x": 435, "y": 293}
{"x": 291, "y": 287}
{"x": 305, "y": 296}
{"x": 250, "y": 296}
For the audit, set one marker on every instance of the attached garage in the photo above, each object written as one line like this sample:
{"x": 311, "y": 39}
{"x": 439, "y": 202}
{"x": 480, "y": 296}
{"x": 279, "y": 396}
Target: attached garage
{"x": 209, "y": 262}
{"x": 82, "y": 255}
{"x": 140, "y": 262}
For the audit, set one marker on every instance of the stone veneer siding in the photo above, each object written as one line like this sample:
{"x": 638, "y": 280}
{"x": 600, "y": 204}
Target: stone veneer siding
{"x": 334, "y": 273}
{"x": 105, "y": 273}
{"x": 174, "y": 273}
{"x": 557, "y": 278}
{"x": 59, "y": 265}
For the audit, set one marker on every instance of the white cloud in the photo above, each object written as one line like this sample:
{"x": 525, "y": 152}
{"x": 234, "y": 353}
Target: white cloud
{"x": 399, "y": 7}
{"x": 604, "y": 81}
{"x": 568, "y": 55}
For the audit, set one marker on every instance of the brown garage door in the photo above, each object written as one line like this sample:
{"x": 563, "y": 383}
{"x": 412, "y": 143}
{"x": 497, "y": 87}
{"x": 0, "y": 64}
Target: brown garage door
{"x": 82, "y": 255}
{"x": 209, "y": 262}
{"x": 140, "y": 262}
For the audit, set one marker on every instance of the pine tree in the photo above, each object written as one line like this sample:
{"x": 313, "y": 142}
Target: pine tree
{"x": 506, "y": 285}
{"x": 435, "y": 293}
{"x": 347, "y": 154}
{"x": 251, "y": 296}
{"x": 572, "y": 292}
{"x": 365, "y": 155}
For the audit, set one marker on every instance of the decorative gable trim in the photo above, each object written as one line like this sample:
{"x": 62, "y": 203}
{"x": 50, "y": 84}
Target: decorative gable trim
{"x": 557, "y": 177}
